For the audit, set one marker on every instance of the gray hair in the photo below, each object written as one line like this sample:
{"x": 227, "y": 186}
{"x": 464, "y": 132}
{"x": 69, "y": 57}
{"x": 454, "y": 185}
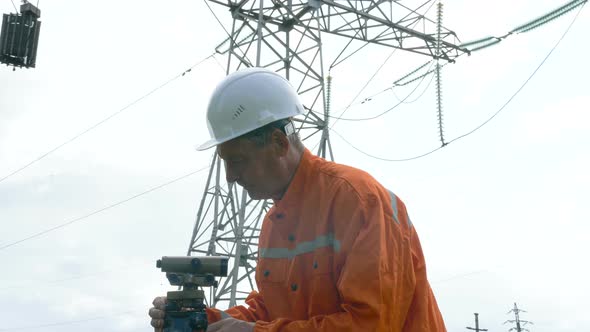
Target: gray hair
{"x": 261, "y": 136}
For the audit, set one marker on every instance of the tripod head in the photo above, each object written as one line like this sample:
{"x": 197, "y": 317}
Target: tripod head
{"x": 185, "y": 309}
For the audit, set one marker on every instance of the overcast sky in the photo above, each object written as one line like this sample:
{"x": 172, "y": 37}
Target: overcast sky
{"x": 502, "y": 214}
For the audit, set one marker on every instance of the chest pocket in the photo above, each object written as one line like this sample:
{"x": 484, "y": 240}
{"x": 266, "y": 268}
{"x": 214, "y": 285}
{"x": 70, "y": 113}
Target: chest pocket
{"x": 271, "y": 278}
{"x": 322, "y": 264}
{"x": 320, "y": 285}
{"x": 272, "y": 271}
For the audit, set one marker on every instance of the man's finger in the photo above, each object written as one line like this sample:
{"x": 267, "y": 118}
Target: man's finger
{"x": 160, "y": 302}
{"x": 157, "y": 323}
{"x": 157, "y": 313}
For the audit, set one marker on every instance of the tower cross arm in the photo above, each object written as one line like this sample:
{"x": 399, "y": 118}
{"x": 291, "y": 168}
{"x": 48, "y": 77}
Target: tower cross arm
{"x": 371, "y": 21}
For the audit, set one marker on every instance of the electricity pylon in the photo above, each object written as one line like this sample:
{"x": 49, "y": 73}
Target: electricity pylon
{"x": 476, "y": 328}
{"x": 286, "y": 36}
{"x": 517, "y": 321}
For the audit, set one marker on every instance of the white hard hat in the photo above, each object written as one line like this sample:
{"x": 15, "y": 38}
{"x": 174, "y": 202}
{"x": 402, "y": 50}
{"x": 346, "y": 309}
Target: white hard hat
{"x": 247, "y": 100}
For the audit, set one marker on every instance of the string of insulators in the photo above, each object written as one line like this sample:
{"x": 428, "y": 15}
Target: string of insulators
{"x": 439, "y": 104}
{"x": 438, "y": 75}
{"x": 410, "y": 74}
{"x": 439, "y": 29}
{"x": 481, "y": 43}
{"x": 416, "y": 78}
{"x": 490, "y": 41}
{"x": 328, "y": 98}
{"x": 549, "y": 17}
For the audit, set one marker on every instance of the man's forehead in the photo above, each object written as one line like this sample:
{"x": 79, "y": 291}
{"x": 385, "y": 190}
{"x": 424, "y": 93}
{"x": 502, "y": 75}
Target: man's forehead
{"x": 235, "y": 147}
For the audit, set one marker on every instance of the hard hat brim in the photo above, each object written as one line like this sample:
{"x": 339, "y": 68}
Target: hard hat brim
{"x": 208, "y": 145}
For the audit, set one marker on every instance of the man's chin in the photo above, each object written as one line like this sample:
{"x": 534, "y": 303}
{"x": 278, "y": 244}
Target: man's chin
{"x": 255, "y": 195}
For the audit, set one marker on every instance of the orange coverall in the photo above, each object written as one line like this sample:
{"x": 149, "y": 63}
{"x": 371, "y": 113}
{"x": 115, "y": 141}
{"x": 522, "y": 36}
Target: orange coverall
{"x": 338, "y": 253}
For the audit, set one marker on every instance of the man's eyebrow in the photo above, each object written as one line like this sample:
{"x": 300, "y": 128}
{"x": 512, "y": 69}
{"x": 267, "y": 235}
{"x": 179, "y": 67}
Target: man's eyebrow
{"x": 237, "y": 155}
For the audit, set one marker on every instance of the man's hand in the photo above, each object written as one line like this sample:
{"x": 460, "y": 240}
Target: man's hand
{"x": 231, "y": 325}
{"x": 157, "y": 313}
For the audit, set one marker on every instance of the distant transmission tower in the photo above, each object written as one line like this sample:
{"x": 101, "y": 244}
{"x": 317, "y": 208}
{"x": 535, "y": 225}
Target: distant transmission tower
{"x": 519, "y": 323}
{"x": 476, "y": 328}
{"x": 286, "y": 36}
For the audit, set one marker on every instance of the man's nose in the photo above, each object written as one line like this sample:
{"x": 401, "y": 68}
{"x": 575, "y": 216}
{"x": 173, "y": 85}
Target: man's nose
{"x": 231, "y": 175}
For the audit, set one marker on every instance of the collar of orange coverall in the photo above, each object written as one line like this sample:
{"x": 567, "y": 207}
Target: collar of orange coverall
{"x": 295, "y": 191}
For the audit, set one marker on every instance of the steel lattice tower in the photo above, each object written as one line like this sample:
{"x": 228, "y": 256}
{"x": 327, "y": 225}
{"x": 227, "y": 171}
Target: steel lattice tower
{"x": 286, "y": 36}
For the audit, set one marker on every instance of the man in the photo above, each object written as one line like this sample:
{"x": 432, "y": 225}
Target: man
{"x": 337, "y": 251}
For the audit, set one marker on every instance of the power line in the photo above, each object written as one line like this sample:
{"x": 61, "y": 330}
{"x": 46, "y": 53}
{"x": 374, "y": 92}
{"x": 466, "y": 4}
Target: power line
{"x": 419, "y": 96}
{"x": 14, "y": 5}
{"x": 34, "y": 284}
{"x": 381, "y": 158}
{"x": 218, "y": 63}
{"x": 362, "y": 89}
{"x": 485, "y": 122}
{"x": 105, "y": 119}
{"x": 525, "y": 82}
{"x": 392, "y": 89}
{"x": 217, "y": 18}
{"x": 101, "y": 209}
{"x": 486, "y": 42}
{"x": 373, "y": 76}
{"x": 70, "y": 322}
{"x": 423, "y": 77}
{"x": 229, "y": 36}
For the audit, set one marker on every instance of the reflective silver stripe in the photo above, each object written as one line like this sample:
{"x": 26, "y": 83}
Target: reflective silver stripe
{"x": 394, "y": 205}
{"x": 302, "y": 248}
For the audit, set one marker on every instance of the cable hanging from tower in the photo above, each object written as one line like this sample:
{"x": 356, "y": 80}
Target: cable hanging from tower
{"x": 421, "y": 77}
{"x": 376, "y": 72}
{"x": 485, "y": 42}
{"x": 94, "y": 126}
{"x": 483, "y": 123}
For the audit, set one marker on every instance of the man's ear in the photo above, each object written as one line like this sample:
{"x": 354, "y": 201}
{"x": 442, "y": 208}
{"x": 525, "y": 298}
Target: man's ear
{"x": 280, "y": 142}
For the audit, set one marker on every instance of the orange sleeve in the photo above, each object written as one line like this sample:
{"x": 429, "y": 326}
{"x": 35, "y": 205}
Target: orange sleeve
{"x": 377, "y": 282}
{"x": 255, "y": 311}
